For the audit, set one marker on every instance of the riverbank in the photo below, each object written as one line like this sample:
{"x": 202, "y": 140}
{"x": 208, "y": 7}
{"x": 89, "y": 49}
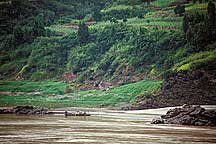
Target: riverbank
{"x": 103, "y": 126}
{"x": 30, "y": 110}
{"x": 158, "y": 111}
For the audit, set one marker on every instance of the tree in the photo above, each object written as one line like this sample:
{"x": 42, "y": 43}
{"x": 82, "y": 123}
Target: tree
{"x": 211, "y": 8}
{"x": 83, "y": 33}
{"x": 211, "y": 14}
{"x": 124, "y": 20}
{"x": 179, "y": 9}
{"x": 185, "y": 24}
{"x": 199, "y": 36}
{"x": 140, "y": 16}
{"x": 147, "y": 1}
{"x": 211, "y": 20}
{"x": 113, "y": 20}
{"x": 18, "y": 34}
{"x": 200, "y": 31}
{"x": 38, "y": 26}
{"x": 194, "y": 1}
{"x": 97, "y": 15}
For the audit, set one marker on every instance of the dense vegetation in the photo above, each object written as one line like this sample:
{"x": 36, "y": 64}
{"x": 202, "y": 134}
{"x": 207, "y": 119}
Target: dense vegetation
{"x": 87, "y": 42}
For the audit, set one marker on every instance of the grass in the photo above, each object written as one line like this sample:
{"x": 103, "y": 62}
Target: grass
{"x": 168, "y": 19}
{"x": 161, "y": 14}
{"x": 5, "y": 2}
{"x": 46, "y": 87}
{"x": 66, "y": 31}
{"x": 161, "y": 23}
{"x": 120, "y": 95}
{"x": 100, "y": 25}
{"x": 93, "y": 98}
{"x": 152, "y": 22}
{"x": 13, "y": 66}
{"x": 195, "y": 60}
{"x": 117, "y": 7}
{"x": 202, "y": 6}
{"x": 163, "y": 3}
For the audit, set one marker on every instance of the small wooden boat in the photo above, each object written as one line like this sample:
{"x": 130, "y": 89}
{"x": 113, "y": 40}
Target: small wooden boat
{"x": 76, "y": 114}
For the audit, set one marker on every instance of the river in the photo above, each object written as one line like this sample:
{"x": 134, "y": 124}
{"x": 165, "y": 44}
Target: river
{"x": 103, "y": 127}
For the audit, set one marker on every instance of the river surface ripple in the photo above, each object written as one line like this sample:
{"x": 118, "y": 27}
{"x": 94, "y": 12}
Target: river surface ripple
{"x": 103, "y": 127}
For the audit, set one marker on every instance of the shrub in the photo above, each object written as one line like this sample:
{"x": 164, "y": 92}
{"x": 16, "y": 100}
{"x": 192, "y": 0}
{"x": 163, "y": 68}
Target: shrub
{"x": 124, "y": 20}
{"x": 179, "y": 9}
{"x": 113, "y": 20}
{"x": 39, "y": 75}
{"x": 83, "y": 33}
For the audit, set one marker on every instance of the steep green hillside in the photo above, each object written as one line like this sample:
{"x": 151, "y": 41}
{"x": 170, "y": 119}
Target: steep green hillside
{"x": 89, "y": 42}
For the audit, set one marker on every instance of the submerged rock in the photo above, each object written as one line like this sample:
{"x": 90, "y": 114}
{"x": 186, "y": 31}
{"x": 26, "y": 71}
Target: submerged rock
{"x": 188, "y": 115}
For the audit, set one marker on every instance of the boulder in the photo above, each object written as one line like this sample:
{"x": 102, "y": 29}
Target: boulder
{"x": 6, "y": 111}
{"x": 157, "y": 121}
{"x": 188, "y": 115}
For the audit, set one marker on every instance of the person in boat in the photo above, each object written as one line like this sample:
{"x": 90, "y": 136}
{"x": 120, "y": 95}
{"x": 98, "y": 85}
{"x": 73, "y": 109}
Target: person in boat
{"x": 66, "y": 113}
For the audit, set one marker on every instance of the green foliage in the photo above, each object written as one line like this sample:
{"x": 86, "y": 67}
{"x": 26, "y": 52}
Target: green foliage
{"x": 124, "y": 11}
{"x": 197, "y": 6}
{"x": 179, "y": 9}
{"x": 200, "y": 29}
{"x": 128, "y": 41}
{"x": 185, "y": 24}
{"x": 11, "y": 68}
{"x": 113, "y": 20}
{"x": 211, "y": 8}
{"x": 39, "y": 75}
{"x": 84, "y": 56}
{"x": 83, "y": 33}
{"x": 81, "y": 57}
{"x": 194, "y": 61}
{"x": 118, "y": 7}
{"x": 117, "y": 49}
{"x": 50, "y": 55}
{"x": 165, "y": 23}
{"x": 120, "y": 95}
{"x": 54, "y": 94}
{"x": 97, "y": 15}
{"x": 22, "y": 71}
{"x": 124, "y": 20}
{"x": 25, "y": 19}
{"x": 61, "y": 31}
{"x": 45, "y": 87}
{"x": 162, "y": 3}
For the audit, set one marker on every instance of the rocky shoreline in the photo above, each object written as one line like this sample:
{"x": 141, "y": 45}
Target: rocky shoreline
{"x": 188, "y": 115}
{"x": 24, "y": 110}
{"x": 30, "y": 110}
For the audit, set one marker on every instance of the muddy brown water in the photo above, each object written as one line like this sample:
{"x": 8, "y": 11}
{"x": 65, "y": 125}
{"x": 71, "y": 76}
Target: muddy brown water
{"x": 103, "y": 127}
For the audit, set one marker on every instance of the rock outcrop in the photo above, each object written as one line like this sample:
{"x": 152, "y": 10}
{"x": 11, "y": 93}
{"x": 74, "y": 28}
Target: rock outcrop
{"x": 190, "y": 87}
{"x": 188, "y": 115}
{"x": 30, "y": 110}
{"x": 24, "y": 110}
{"x": 143, "y": 103}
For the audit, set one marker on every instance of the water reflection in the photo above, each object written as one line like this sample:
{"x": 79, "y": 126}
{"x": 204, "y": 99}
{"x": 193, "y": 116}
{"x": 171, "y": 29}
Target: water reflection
{"x": 101, "y": 128}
